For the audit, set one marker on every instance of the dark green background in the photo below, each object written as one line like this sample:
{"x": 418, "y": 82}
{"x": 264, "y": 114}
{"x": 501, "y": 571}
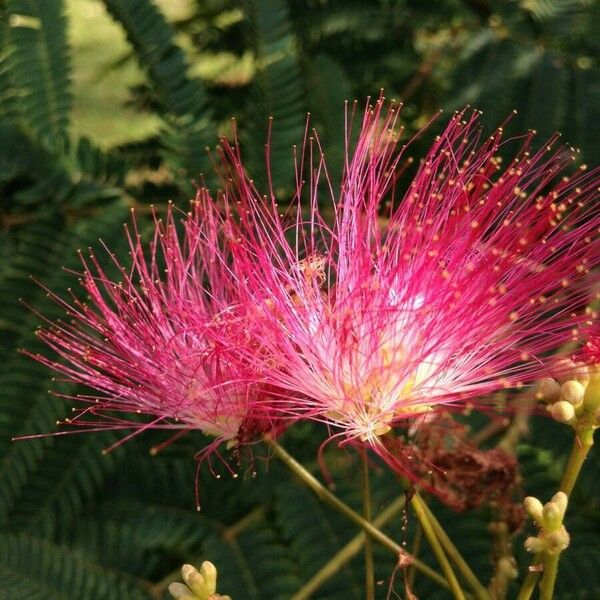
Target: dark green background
{"x": 109, "y": 104}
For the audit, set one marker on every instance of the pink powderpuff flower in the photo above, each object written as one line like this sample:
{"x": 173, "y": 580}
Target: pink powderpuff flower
{"x": 399, "y": 305}
{"x": 154, "y": 343}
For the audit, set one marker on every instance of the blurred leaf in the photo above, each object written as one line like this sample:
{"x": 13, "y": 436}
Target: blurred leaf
{"x": 40, "y": 65}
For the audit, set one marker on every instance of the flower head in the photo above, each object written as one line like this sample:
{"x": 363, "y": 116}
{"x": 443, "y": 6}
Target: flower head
{"x": 154, "y": 342}
{"x": 398, "y": 305}
{"x": 362, "y": 308}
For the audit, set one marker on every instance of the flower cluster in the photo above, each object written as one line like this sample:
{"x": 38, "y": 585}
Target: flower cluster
{"x": 200, "y": 584}
{"x": 553, "y": 537}
{"x": 572, "y": 394}
{"x": 360, "y": 306}
{"x": 153, "y": 342}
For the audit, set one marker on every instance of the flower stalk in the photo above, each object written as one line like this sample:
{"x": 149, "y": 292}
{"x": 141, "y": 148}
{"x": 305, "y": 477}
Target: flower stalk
{"x": 326, "y": 496}
{"x": 416, "y": 547}
{"x": 549, "y": 577}
{"x": 573, "y": 397}
{"x": 367, "y": 512}
{"x": 540, "y": 562}
{"x": 579, "y": 452}
{"x": 347, "y": 552}
{"x": 454, "y": 555}
{"x": 422, "y": 515}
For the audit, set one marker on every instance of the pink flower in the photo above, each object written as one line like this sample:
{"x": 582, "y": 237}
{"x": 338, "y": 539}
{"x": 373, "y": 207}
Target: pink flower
{"x": 406, "y": 305}
{"x": 155, "y": 342}
{"x": 362, "y": 308}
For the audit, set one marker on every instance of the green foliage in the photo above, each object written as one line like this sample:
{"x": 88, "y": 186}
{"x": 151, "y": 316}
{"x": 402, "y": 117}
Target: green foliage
{"x": 37, "y": 35}
{"x": 34, "y": 568}
{"x": 76, "y": 523}
{"x": 182, "y": 99}
{"x": 278, "y": 88}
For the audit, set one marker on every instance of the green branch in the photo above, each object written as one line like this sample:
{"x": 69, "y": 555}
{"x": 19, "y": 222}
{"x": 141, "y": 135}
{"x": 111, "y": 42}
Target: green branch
{"x": 326, "y": 496}
{"x": 366, "y": 493}
{"x": 346, "y": 553}
{"x": 422, "y": 514}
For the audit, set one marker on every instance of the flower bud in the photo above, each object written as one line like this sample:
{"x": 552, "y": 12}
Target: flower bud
{"x": 562, "y": 411}
{"x": 507, "y": 566}
{"x": 195, "y": 581}
{"x": 582, "y": 373}
{"x": 572, "y": 392}
{"x": 179, "y": 591}
{"x": 548, "y": 390}
{"x": 534, "y": 508}
{"x": 561, "y": 500}
{"x": 564, "y": 369}
{"x": 552, "y": 516}
{"x": 199, "y": 584}
{"x": 535, "y": 544}
{"x": 209, "y": 572}
{"x": 592, "y": 391}
{"x": 552, "y": 537}
{"x": 557, "y": 541}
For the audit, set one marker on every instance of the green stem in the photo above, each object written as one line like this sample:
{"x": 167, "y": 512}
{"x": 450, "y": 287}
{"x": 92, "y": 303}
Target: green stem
{"x": 326, "y": 496}
{"x": 366, "y": 493}
{"x": 428, "y": 529}
{"x": 416, "y": 547}
{"x": 579, "y": 451}
{"x": 481, "y": 593}
{"x": 549, "y": 577}
{"x": 576, "y": 459}
{"x": 346, "y": 553}
{"x": 531, "y": 578}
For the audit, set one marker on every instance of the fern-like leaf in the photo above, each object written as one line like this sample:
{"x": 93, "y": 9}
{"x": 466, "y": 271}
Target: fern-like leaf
{"x": 188, "y": 123}
{"x": 34, "y": 568}
{"x": 278, "y": 91}
{"x": 40, "y": 65}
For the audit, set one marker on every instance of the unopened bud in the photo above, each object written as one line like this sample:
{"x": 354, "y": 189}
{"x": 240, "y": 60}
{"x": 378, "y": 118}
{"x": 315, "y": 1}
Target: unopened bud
{"x": 199, "y": 584}
{"x": 534, "y": 508}
{"x": 564, "y": 369}
{"x": 557, "y": 541}
{"x": 562, "y": 411}
{"x": 508, "y": 567}
{"x": 209, "y": 572}
{"x": 195, "y": 581}
{"x": 535, "y": 544}
{"x": 552, "y": 516}
{"x": 548, "y": 390}
{"x": 573, "y": 392}
{"x": 181, "y": 592}
{"x": 553, "y": 537}
{"x": 561, "y": 500}
{"x": 592, "y": 391}
{"x": 582, "y": 373}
